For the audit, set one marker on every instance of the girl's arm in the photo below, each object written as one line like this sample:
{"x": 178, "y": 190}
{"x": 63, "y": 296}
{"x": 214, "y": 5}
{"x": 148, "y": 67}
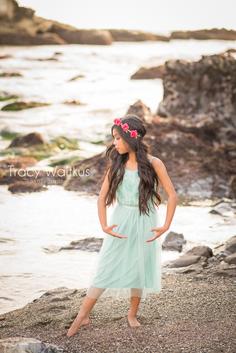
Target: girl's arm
{"x": 166, "y": 182}
{"x": 101, "y": 202}
{"x": 102, "y": 210}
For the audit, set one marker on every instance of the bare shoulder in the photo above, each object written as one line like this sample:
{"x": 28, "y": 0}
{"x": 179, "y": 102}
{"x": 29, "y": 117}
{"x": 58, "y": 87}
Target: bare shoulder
{"x": 156, "y": 162}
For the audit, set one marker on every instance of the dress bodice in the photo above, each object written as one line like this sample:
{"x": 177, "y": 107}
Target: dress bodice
{"x": 127, "y": 192}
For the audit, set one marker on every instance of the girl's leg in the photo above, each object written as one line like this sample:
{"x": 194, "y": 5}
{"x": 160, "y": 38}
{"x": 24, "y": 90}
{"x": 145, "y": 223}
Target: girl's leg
{"x": 82, "y": 317}
{"x": 134, "y": 305}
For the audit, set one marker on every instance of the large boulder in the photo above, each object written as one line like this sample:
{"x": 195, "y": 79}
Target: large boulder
{"x": 173, "y": 241}
{"x": 202, "y": 94}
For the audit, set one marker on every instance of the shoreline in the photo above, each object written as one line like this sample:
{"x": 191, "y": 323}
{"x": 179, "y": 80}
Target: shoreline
{"x": 190, "y": 314}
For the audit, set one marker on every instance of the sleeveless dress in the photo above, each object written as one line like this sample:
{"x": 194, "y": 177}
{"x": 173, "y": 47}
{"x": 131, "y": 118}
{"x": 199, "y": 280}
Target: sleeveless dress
{"x": 128, "y": 266}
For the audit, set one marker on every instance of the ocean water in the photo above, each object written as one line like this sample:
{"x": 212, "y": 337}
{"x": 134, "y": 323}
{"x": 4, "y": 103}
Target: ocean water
{"x": 30, "y": 222}
{"x": 106, "y": 89}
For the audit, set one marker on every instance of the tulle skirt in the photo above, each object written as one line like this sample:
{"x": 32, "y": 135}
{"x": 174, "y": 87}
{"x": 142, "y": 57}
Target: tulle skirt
{"x": 129, "y": 266}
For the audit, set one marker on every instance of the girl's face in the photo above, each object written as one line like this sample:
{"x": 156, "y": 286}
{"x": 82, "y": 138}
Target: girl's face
{"x": 120, "y": 144}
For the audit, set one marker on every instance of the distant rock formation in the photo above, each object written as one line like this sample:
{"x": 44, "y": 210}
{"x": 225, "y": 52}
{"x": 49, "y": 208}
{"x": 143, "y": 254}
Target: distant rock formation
{"x": 20, "y": 26}
{"x": 202, "y": 34}
{"x": 123, "y": 35}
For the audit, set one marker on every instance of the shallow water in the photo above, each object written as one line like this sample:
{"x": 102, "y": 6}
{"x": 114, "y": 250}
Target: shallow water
{"x": 106, "y": 90}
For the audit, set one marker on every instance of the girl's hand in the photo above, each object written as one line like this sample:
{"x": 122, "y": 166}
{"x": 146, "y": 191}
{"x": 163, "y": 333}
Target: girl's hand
{"x": 108, "y": 230}
{"x": 158, "y": 232}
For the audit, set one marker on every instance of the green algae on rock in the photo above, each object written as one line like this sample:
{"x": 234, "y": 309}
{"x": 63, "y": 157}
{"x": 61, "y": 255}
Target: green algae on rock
{"x": 15, "y": 106}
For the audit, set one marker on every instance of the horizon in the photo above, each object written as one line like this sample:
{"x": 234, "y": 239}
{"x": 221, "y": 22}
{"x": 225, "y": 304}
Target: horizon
{"x": 148, "y": 15}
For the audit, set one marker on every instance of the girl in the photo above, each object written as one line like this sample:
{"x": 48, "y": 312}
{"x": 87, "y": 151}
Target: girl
{"x": 129, "y": 259}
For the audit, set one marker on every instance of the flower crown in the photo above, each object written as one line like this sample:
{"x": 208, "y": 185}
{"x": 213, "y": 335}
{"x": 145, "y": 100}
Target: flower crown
{"x": 125, "y": 128}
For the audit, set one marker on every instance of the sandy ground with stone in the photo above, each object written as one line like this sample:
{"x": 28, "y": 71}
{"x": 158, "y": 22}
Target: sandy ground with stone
{"x": 192, "y": 314}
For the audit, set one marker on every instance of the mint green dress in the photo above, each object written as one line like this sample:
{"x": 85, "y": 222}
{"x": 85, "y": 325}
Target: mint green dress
{"x": 128, "y": 266}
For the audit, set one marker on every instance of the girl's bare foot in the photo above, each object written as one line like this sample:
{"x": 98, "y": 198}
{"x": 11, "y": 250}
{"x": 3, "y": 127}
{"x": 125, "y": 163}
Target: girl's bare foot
{"x": 78, "y": 321}
{"x": 133, "y": 322}
{"x": 85, "y": 321}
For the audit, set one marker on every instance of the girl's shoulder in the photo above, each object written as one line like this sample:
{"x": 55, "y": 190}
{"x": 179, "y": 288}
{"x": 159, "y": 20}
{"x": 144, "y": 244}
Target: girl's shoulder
{"x": 153, "y": 158}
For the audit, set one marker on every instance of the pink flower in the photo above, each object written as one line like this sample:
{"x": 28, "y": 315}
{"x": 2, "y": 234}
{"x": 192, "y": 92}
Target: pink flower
{"x": 117, "y": 121}
{"x": 125, "y": 127}
{"x": 133, "y": 133}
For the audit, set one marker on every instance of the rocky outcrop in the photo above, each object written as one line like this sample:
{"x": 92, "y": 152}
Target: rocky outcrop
{"x": 34, "y": 138}
{"x": 141, "y": 110}
{"x": 200, "y": 105}
{"x": 202, "y": 259}
{"x": 20, "y": 26}
{"x": 148, "y": 73}
{"x": 122, "y": 35}
{"x": 214, "y": 33}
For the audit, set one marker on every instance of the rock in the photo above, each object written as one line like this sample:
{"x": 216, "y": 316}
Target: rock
{"x": 173, "y": 241}
{"x": 20, "y": 26}
{"x": 64, "y": 142}
{"x": 72, "y": 35}
{"x": 232, "y": 184}
{"x": 26, "y": 186}
{"x": 195, "y": 268}
{"x": 23, "y": 105}
{"x": 10, "y": 74}
{"x": 231, "y": 259}
{"x": 204, "y": 251}
{"x": 88, "y": 244}
{"x": 87, "y": 175}
{"x": 8, "y": 9}
{"x": 123, "y": 35}
{"x": 5, "y": 56}
{"x": 50, "y": 58}
{"x": 75, "y": 78}
{"x": 214, "y": 33}
{"x": 27, "y": 345}
{"x": 185, "y": 260}
{"x": 223, "y": 209}
{"x": 146, "y": 73}
{"x": 231, "y": 51}
{"x": 230, "y": 245}
{"x": 34, "y": 138}
{"x": 73, "y": 102}
{"x": 197, "y": 101}
{"x": 141, "y": 110}
{"x": 21, "y": 36}
{"x": 4, "y": 96}
{"x": 187, "y": 88}
{"x": 17, "y": 162}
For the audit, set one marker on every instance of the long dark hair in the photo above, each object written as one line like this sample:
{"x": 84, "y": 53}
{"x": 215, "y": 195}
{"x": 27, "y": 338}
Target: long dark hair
{"x": 148, "y": 178}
